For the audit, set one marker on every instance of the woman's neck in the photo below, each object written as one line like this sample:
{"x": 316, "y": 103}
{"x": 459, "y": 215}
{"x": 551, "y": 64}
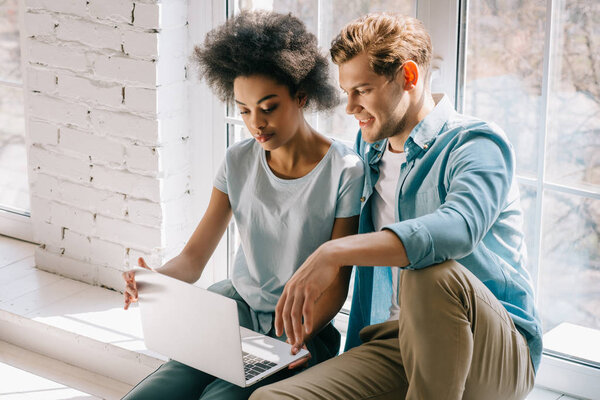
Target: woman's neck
{"x": 300, "y": 155}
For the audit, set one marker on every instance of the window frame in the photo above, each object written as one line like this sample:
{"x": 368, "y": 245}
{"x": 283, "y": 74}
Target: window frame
{"x": 206, "y": 118}
{"x": 16, "y": 223}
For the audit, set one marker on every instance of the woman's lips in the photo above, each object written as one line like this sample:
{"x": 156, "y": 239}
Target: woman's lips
{"x": 264, "y": 137}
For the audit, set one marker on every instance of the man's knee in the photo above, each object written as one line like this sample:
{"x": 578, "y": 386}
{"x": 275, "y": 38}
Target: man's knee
{"x": 430, "y": 280}
{"x": 434, "y": 290}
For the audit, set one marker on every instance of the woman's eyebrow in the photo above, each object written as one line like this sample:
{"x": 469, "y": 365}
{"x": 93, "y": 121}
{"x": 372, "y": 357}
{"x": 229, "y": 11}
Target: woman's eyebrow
{"x": 267, "y": 97}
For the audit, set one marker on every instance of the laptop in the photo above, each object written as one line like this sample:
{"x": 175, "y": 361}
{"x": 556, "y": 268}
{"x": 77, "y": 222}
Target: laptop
{"x": 201, "y": 329}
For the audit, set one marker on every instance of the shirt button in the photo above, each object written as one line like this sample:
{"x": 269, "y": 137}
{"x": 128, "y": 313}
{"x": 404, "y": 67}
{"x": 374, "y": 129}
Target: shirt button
{"x": 425, "y": 146}
{"x": 362, "y": 199}
{"x": 376, "y": 146}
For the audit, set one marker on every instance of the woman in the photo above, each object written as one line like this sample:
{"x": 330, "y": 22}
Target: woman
{"x": 289, "y": 188}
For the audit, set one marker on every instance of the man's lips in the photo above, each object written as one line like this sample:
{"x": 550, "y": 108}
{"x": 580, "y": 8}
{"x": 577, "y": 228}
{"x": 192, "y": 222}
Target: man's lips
{"x": 262, "y": 138}
{"x": 365, "y": 122}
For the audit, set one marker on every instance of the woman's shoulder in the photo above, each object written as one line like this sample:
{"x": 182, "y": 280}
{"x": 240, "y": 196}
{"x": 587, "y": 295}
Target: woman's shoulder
{"x": 247, "y": 148}
{"x": 345, "y": 157}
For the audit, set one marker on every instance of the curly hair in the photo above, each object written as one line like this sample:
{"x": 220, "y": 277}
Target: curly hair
{"x": 271, "y": 44}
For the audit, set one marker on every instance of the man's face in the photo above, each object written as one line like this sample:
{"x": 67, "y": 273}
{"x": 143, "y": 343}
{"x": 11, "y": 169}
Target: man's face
{"x": 376, "y": 101}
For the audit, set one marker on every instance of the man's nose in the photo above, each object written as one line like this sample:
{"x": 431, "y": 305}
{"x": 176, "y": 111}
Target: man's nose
{"x": 352, "y": 106}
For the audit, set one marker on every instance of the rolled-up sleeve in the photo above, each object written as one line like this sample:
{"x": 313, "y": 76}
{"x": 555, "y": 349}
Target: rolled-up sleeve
{"x": 478, "y": 177}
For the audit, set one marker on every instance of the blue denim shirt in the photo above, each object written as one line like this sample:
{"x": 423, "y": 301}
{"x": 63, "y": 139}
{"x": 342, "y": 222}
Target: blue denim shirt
{"x": 457, "y": 199}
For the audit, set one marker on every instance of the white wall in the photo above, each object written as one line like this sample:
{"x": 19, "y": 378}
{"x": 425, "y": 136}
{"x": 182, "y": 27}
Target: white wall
{"x": 107, "y": 126}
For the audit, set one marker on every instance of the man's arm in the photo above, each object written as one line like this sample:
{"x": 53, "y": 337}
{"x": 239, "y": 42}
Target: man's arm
{"x": 329, "y": 302}
{"x": 480, "y": 176}
{"x": 306, "y": 293}
{"x": 480, "y": 179}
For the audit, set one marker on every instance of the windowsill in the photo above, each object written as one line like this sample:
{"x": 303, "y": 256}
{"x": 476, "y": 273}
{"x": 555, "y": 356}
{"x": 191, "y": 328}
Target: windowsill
{"x": 70, "y": 321}
{"x": 16, "y": 224}
{"x": 70, "y": 305}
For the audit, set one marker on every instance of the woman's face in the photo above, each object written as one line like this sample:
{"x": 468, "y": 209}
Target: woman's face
{"x": 271, "y": 115}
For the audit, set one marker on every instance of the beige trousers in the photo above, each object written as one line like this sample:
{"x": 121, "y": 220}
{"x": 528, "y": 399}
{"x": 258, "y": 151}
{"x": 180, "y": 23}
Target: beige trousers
{"x": 454, "y": 340}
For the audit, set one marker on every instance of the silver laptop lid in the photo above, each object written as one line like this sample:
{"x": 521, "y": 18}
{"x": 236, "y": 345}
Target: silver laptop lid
{"x": 191, "y": 325}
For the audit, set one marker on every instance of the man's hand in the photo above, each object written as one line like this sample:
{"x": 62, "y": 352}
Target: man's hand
{"x": 303, "y": 362}
{"x": 302, "y": 292}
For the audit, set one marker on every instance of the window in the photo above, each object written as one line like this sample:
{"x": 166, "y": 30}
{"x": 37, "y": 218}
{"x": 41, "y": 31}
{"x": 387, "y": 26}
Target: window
{"x": 533, "y": 67}
{"x": 14, "y": 193}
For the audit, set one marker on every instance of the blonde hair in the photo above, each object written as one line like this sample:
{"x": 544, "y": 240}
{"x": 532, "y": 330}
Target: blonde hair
{"x": 389, "y": 40}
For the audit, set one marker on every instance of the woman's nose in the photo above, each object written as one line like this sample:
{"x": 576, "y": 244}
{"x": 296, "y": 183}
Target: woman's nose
{"x": 256, "y": 122}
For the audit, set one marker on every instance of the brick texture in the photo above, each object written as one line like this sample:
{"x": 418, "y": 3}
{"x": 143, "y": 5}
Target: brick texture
{"x": 106, "y": 105}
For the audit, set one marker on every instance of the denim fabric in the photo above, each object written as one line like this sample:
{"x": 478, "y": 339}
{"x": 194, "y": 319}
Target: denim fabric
{"x": 457, "y": 199}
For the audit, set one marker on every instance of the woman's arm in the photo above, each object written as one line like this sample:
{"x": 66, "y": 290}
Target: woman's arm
{"x": 329, "y": 304}
{"x": 190, "y": 263}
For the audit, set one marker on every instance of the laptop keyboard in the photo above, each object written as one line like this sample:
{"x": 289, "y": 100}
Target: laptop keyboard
{"x": 254, "y": 365}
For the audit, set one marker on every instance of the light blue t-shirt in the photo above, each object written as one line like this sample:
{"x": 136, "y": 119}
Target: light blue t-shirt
{"x": 282, "y": 221}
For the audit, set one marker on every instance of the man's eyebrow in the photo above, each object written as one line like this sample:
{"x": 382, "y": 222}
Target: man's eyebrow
{"x": 356, "y": 86}
{"x": 267, "y": 97}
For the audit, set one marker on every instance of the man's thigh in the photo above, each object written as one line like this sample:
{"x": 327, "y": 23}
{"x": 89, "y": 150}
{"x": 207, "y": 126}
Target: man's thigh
{"x": 501, "y": 363}
{"x": 370, "y": 371}
{"x": 472, "y": 349}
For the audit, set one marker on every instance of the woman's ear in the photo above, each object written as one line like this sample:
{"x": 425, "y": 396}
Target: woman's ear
{"x": 302, "y": 99}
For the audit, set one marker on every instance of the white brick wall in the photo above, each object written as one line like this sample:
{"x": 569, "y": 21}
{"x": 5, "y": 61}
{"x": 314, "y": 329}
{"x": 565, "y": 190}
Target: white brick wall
{"x": 106, "y": 109}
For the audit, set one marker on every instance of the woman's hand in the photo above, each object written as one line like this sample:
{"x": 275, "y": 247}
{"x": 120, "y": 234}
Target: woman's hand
{"x": 131, "y": 292}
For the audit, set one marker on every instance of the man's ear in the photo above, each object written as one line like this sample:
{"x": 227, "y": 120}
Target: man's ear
{"x": 410, "y": 75}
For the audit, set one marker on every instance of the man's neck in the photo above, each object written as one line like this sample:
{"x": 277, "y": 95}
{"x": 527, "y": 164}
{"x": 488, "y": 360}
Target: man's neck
{"x": 415, "y": 114}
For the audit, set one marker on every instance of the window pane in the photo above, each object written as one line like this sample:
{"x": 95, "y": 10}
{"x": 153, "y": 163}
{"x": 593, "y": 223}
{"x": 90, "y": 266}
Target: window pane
{"x": 528, "y": 201}
{"x": 10, "y": 51}
{"x": 570, "y": 261}
{"x": 306, "y": 10}
{"x": 13, "y": 158}
{"x": 573, "y": 143}
{"x": 505, "y": 54}
{"x": 237, "y": 133}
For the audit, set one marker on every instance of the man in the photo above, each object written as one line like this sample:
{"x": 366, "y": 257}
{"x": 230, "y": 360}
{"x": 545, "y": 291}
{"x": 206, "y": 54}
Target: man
{"x": 439, "y": 187}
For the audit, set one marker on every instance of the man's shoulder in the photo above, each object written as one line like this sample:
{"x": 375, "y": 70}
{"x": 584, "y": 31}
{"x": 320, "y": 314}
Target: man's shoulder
{"x": 467, "y": 125}
{"x": 461, "y": 129}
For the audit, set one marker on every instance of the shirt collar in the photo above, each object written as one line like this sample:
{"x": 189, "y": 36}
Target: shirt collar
{"x": 422, "y": 135}
{"x": 426, "y": 131}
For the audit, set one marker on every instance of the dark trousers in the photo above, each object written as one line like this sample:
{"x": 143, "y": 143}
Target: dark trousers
{"x": 174, "y": 380}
